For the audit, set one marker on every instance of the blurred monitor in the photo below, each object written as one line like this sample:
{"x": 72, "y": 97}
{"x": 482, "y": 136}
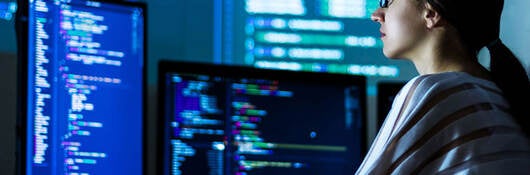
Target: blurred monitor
{"x": 82, "y": 87}
{"x": 386, "y": 92}
{"x": 335, "y": 36}
{"x": 7, "y": 10}
{"x": 239, "y": 120}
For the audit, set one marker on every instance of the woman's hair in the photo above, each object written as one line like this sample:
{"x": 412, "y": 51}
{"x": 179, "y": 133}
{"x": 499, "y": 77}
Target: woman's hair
{"x": 478, "y": 24}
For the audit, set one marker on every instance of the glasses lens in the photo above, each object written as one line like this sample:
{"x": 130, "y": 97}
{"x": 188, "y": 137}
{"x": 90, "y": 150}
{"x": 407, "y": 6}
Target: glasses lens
{"x": 383, "y": 3}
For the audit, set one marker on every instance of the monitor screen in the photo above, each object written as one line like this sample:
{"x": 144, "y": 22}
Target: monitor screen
{"x": 7, "y": 10}
{"x": 335, "y": 36}
{"x": 386, "y": 93}
{"x": 231, "y": 120}
{"x": 83, "y": 79}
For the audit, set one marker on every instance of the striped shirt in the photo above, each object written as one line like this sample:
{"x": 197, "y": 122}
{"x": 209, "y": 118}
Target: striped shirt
{"x": 448, "y": 123}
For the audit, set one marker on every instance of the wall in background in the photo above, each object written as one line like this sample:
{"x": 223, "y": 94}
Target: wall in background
{"x": 187, "y": 34}
{"x": 515, "y": 28}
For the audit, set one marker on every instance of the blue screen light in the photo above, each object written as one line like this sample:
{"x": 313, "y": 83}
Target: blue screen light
{"x": 7, "y": 10}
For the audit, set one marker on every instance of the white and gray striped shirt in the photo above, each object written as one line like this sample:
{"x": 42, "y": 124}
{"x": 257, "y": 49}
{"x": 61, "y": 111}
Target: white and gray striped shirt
{"x": 448, "y": 123}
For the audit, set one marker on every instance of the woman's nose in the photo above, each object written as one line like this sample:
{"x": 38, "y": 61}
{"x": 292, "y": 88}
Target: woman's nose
{"x": 378, "y": 15}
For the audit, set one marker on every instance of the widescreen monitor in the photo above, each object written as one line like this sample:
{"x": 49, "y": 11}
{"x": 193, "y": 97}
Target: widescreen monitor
{"x": 335, "y": 36}
{"x": 82, "y": 86}
{"x": 238, "y": 120}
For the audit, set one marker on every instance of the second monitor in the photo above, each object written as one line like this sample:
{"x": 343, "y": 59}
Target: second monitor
{"x": 219, "y": 119}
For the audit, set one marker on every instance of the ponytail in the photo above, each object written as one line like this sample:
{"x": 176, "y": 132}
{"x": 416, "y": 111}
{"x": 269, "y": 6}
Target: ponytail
{"x": 510, "y": 76}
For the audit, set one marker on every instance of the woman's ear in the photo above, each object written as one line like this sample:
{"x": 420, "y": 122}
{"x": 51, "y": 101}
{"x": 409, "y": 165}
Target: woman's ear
{"x": 432, "y": 17}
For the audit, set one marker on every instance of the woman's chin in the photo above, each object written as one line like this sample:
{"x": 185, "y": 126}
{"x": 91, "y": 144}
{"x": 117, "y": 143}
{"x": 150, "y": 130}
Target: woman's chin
{"x": 388, "y": 54}
{"x": 391, "y": 54}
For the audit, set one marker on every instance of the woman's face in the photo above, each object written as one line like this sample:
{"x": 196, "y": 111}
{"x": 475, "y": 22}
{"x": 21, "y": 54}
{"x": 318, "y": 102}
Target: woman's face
{"x": 402, "y": 28}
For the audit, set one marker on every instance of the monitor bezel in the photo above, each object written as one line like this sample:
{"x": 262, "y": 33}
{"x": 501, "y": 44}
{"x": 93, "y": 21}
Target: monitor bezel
{"x": 166, "y": 66}
{"x": 22, "y": 35}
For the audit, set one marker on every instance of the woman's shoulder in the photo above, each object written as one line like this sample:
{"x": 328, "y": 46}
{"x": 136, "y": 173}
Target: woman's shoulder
{"x": 455, "y": 88}
{"x": 433, "y": 83}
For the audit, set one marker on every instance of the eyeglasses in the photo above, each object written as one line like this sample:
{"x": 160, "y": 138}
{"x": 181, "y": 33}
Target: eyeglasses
{"x": 385, "y": 3}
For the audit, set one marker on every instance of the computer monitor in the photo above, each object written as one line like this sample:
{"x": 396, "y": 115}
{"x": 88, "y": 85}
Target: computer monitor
{"x": 335, "y": 36}
{"x": 238, "y": 120}
{"x": 386, "y": 93}
{"x": 82, "y": 87}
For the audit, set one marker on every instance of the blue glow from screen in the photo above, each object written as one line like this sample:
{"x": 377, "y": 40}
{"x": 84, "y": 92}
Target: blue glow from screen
{"x": 7, "y": 10}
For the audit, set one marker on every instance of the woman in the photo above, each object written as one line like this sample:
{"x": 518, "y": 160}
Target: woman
{"x": 456, "y": 116}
